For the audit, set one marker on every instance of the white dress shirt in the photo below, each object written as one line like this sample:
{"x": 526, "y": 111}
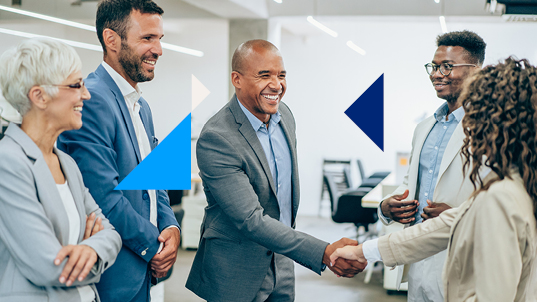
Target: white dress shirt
{"x": 86, "y": 292}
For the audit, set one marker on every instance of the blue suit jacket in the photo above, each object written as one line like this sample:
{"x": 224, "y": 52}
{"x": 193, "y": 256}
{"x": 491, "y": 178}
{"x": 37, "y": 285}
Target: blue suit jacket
{"x": 106, "y": 150}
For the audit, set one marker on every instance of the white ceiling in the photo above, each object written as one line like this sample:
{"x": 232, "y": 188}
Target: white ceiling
{"x": 262, "y": 9}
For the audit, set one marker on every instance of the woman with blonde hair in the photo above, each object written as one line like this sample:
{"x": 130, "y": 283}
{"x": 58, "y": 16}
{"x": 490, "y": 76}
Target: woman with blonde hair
{"x": 490, "y": 238}
{"x": 54, "y": 241}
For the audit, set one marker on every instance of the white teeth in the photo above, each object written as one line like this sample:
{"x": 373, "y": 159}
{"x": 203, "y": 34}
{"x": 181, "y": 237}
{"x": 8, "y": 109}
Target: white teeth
{"x": 150, "y": 62}
{"x": 78, "y": 108}
{"x": 270, "y": 97}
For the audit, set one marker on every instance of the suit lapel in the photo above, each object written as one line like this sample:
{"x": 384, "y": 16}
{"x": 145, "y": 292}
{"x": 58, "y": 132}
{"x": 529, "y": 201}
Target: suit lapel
{"x": 452, "y": 150}
{"x": 74, "y": 187}
{"x": 120, "y": 100}
{"x": 249, "y": 135}
{"x": 294, "y": 176}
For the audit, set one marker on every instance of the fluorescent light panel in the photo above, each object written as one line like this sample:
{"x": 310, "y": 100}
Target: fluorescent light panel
{"x": 437, "y": 1}
{"x": 321, "y": 27}
{"x": 172, "y": 47}
{"x": 68, "y": 42}
{"x": 356, "y": 48}
{"x": 278, "y": 1}
{"x": 443, "y": 24}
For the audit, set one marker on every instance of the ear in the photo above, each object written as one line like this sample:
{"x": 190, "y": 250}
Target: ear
{"x": 236, "y": 79}
{"x": 112, "y": 40}
{"x": 38, "y": 97}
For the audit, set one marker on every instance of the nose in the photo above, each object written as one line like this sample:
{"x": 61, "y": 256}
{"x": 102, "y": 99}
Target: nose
{"x": 85, "y": 93}
{"x": 276, "y": 83}
{"x": 157, "y": 48}
{"x": 437, "y": 74}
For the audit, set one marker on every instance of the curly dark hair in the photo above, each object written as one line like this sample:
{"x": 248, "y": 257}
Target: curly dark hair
{"x": 469, "y": 40}
{"x": 501, "y": 124}
{"x": 114, "y": 14}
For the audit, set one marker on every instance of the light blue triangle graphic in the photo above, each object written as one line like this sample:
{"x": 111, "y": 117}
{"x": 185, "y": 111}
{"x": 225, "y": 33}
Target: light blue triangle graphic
{"x": 167, "y": 167}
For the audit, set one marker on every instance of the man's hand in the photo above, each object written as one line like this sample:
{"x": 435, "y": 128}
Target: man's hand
{"x": 434, "y": 209}
{"x": 81, "y": 260}
{"x": 93, "y": 226}
{"x": 398, "y": 210}
{"x": 163, "y": 261}
{"x": 342, "y": 267}
{"x": 349, "y": 253}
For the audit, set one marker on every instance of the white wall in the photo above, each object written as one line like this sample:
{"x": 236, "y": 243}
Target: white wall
{"x": 325, "y": 77}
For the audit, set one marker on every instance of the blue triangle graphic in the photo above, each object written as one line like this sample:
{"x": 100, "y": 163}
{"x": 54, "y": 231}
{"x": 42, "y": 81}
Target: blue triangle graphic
{"x": 167, "y": 167}
{"x": 367, "y": 112}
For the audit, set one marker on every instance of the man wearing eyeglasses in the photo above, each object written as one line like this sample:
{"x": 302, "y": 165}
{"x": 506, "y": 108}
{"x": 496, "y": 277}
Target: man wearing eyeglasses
{"x": 435, "y": 180}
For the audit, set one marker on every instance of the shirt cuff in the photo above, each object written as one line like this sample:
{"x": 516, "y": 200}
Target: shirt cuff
{"x": 161, "y": 244}
{"x": 371, "y": 251}
{"x": 385, "y": 220}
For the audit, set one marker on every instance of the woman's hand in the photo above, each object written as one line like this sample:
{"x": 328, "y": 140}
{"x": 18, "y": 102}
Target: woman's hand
{"x": 93, "y": 226}
{"x": 349, "y": 252}
{"x": 81, "y": 260}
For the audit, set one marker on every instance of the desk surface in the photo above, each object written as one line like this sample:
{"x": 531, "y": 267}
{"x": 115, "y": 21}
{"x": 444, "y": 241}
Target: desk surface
{"x": 374, "y": 197}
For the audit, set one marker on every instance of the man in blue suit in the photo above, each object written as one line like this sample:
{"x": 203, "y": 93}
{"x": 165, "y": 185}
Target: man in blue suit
{"x": 116, "y": 135}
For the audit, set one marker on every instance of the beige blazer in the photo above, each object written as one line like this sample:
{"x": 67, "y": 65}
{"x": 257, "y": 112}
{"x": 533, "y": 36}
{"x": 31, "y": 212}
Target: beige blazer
{"x": 451, "y": 187}
{"x": 491, "y": 241}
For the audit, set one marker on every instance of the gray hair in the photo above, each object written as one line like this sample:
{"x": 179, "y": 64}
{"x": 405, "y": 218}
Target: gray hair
{"x": 32, "y": 63}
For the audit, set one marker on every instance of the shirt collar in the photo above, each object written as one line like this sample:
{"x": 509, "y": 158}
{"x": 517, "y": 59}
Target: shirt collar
{"x": 256, "y": 123}
{"x": 124, "y": 86}
{"x": 441, "y": 112}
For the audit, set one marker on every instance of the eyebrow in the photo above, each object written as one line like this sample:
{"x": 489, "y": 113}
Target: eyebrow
{"x": 268, "y": 71}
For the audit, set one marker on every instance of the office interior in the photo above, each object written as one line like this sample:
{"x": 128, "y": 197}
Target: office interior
{"x": 324, "y": 75}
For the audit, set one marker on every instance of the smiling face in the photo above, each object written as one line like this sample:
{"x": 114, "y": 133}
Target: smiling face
{"x": 260, "y": 85}
{"x": 140, "y": 51}
{"x": 65, "y": 108}
{"x": 450, "y": 87}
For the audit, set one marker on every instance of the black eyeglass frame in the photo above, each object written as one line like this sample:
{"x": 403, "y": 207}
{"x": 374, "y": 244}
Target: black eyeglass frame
{"x": 68, "y": 86}
{"x": 444, "y": 66}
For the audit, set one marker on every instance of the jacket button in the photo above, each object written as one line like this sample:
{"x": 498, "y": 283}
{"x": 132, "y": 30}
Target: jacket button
{"x": 145, "y": 196}
{"x": 269, "y": 253}
{"x": 143, "y": 253}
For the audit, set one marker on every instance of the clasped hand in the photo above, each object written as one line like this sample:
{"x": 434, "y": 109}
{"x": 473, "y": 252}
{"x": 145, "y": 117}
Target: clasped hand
{"x": 343, "y": 267}
{"x": 354, "y": 253}
{"x": 163, "y": 261}
{"x": 81, "y": 257}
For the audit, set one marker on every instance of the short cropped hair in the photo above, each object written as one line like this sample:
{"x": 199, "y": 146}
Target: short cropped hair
{"x": 237, "y": 61}
{"x": 35, "y": 62}
{"x": 114, "y": 14}
{"x": 469, "y": 40}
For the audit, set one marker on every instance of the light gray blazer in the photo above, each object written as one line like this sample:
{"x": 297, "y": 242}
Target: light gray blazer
{"x": 241, "y": 228}
{"x": 34, "y": 225}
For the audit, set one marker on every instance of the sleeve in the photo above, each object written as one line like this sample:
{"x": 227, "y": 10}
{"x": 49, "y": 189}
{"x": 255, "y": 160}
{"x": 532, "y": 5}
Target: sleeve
{"x": 419, "y": 241}
{"x": 222, "y": 173}
{"x": 25, "y": 229}
{"x": 401, "y": 189}
{"x": 497, "y": 250}
{"x": 92, "y": 147}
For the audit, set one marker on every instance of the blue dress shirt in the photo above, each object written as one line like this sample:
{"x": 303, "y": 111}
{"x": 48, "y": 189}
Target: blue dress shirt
{"x": 431, "y": 154}
{"x": 278, "y": 156}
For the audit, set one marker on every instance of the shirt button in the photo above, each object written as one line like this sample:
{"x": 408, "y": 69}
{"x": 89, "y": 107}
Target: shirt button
{"x": 436, "y": 147}
{"x": 279, "y": 186}
{"x": 430, "y": 171}
{"x": 426, "y": 194}
{"x": 445, "y": 127}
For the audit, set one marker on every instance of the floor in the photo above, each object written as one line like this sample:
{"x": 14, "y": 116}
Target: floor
{"x": 309, "y": 286}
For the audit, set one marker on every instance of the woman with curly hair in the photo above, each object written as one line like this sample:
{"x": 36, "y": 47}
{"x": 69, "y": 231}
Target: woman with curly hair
{"x": 491, "y": 238}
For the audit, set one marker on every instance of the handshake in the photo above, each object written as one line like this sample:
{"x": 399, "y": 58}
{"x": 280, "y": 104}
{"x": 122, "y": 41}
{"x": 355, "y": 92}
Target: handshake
{"x": 345, "y": 258}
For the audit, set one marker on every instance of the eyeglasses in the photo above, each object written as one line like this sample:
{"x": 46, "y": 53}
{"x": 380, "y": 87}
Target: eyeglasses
{"x": 445, "y": 68}
{"x": 70, "y": 86}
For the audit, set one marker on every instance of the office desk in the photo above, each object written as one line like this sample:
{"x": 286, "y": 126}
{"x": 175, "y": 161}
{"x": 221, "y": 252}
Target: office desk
{"x": 374, "y": 197}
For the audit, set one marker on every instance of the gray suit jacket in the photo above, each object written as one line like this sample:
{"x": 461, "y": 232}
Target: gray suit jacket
{"x": 241, "y": 227}
{"x": 34, "y": 225}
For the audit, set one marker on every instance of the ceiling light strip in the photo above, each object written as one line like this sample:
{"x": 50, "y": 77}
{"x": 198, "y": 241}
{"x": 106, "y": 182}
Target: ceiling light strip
{"x": 443, "y": 24}
{"x": 321, "y": 26}
{"x": 356, "y": 48}
{"x": 278, "y": 1}
{"x": 68, "y": 42}
{"x": 172, "y": 47}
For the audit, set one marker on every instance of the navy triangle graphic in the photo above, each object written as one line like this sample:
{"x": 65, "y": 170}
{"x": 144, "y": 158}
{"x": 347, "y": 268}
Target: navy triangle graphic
{"x": 167, "y": 167}
{"x": 367, "y": 112}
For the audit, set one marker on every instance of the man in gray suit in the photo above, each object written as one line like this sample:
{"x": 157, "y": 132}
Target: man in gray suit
{"x": 247, "y": 157}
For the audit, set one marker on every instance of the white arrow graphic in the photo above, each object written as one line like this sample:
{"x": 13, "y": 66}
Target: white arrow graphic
{"x": 199, "y": 92}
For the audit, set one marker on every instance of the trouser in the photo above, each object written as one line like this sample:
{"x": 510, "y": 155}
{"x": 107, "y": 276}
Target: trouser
{"x": 279, "y": 283}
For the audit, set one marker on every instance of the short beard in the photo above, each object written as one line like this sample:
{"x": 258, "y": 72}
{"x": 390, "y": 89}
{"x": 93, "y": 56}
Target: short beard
{"x": 133, "y": 65}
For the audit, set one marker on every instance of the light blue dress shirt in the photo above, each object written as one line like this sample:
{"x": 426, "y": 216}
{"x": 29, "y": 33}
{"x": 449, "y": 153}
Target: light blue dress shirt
{"x": 278, "y": 156}
{"x": 432, "y": 152}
